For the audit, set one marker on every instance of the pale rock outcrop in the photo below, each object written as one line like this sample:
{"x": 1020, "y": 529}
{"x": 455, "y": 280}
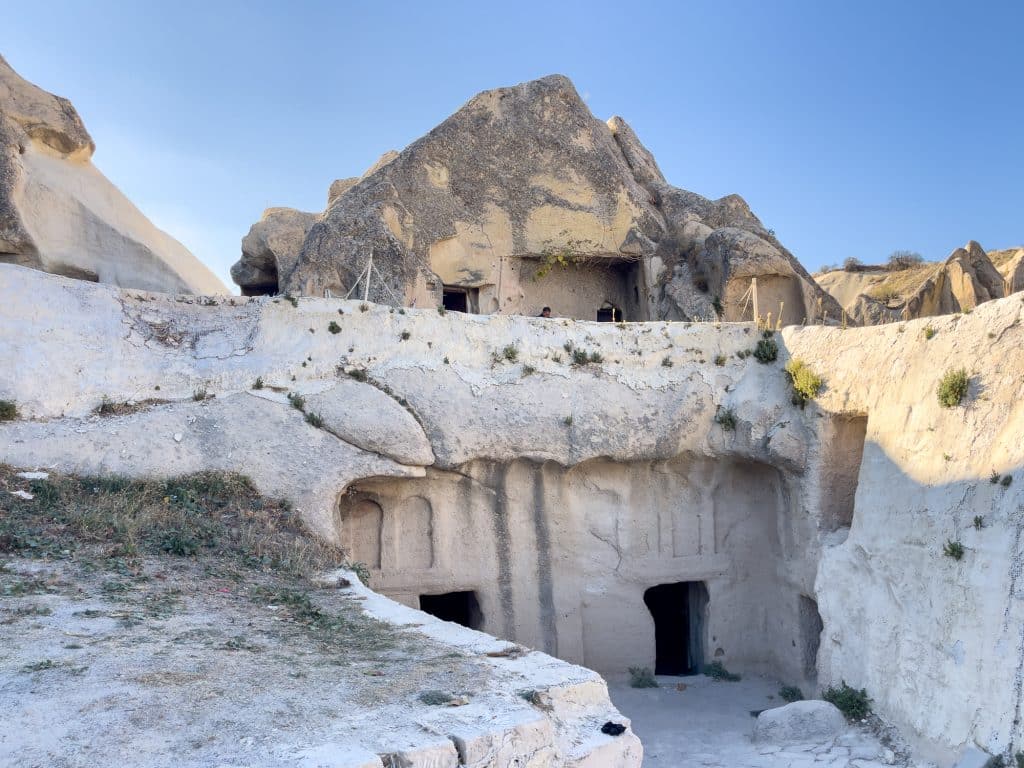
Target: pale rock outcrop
{"x": 873, "y": 295}
{"x": 799, "y": 721}
{"x": 1010, "y": 263}
{"x": 270, "y": 248}
{"x": 519, "y": 175}
{"x": 561, "y": 492}
{"x": 58, "y": 213}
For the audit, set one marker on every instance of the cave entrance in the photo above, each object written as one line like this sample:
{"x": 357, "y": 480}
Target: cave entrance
{"x": 678, "y": 611}
{"x": 456, "y": 299}
{"x": 609, "y": 313}
{"x": 458, "y": 607}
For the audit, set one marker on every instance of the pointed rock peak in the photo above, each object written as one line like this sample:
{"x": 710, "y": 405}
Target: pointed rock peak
{"x": 47, "y": 119}
{"x": 640, "y": 160}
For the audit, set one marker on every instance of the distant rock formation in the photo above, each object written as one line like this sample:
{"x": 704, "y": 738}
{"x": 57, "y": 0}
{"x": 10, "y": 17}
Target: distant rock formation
{"x": 522, "y": 198}
{"x": 1010, "y": 263}
{"x": 967, "y": 278}
{"x": 58, "y": 213}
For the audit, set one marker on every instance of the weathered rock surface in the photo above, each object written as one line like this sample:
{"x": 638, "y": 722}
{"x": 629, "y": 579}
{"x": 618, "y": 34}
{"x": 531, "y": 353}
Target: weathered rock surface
{"x": 1010, "y": 263}
{"x": 521, "y": 174}
{"x": 967, "y": 278}
{"x": 799, "y": 721}
{"x": 272, "y": 246}
{"x": 58, "y": 213}
{"x": 560, "y": 492}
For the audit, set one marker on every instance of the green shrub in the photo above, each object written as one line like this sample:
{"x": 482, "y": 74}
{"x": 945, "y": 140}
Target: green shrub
{"x": 716, "y": 671}
{"x": 405, "y": 336}
{"x": 333, "y": 327}
{"x": 582, "y": 357}
{"x": 666, "y": 362}
{"x": 928, "y": 331}
{"x": 719, "y": 359}
{"x": 979, "y": 522}
{"x": 642, "y": 677}
{"x": 994, "y": 477}
{"x": 790, "y": 693}
{"x": 716, "y": 304}
{"x": 258, "y": 384}
{"x": 726, "y": 419}
{"x": 854, "y": 704}
{"x": 315, "y": 420}
{"x": 953, "y": 388}
{"x": 298, "y": 401}
{"x": 766, "y": 351}
{"x": 510, "y": 353}
{"x": 806, "y": 383}
{"x": 200, "y": 394}
{"x": 1005, "y": 482}
{"x": 435, "y": 698}
{"x": 953, "y": 549}
{"x": 8, "y": 410}
{"x": 441, "y": 310}
{"x": 364, "y": 307}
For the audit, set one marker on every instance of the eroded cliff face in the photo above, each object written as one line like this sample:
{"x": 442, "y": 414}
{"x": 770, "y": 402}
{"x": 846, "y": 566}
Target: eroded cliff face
{"x": 58, "y": 213}
{"x": 523, "y": 199}
{"x": 559, "y": 470}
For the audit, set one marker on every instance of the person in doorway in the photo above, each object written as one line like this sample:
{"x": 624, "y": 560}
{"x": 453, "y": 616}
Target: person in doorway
{"x": 546, "y": 312}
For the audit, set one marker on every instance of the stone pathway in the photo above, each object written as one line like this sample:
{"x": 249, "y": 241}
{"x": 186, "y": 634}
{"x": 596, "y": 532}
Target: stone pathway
{"x": 709, "y": 724}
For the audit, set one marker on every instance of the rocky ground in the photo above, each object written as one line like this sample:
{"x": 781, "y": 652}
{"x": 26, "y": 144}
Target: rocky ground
{"x": 128, "y": 638}
{"x": 697, "y": 721}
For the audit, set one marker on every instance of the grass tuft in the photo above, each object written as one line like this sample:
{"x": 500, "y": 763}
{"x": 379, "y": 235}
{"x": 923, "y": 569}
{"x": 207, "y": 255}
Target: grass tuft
{"x": 854, "y": 704}
{"x": 8, "y": 410}
{"x": 642, "y": 677}
{"x": 716, "y": 671}
{"x": 953, "y": 388}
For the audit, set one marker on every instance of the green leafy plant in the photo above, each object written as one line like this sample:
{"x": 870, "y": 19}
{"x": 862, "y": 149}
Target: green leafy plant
{"x": 298, "y": 401}
{"x": 979, "y": 522}
{"x": 767, "y": 350}
{"x": 716, "y": 304}
{"x": 200, "y": 394}
{"x": 359, "y": 374}
{"x": 642, "y": 677}
{"x": 435, "y": 698}
{"x": 1005, "y": 482}
{"x": 806, "y": 383}
{"x": 994, "y": 477}
{"x": 790, "y": 693}
{"x": 581, "y": 357}
{"x": 953, "y": 387}
{"x": 567, "y": 420}
{"x": 529, "y": 370}
{"x": 291, "y": 300}
{"x": 666, "y": 362}
{"x": 928, "y": 331}
{"x": 510, "y": 353}
{"x": 953, "y": 549}
{"x": 258, "y": 384}
{"x": 854, "y": 704}
{"x": 315, "y": 420}
{"x": 716, "y": 671}
{"x": 726, "y": 418}
{"x": 441, "y": 310}
{"x": 405, "y": 335}
{"x": 719, "y": 360}
{"x": 8, "y": 410}
{"x": 333, "y": 327}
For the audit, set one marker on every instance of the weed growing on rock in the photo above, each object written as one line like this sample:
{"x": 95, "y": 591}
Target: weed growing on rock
{"x": 928, "y": 332}
{"x": 854, "y": 704}
{"x": 716, "y": 304}
{"x": 994, "y": 477}
{"x": 364, "y": 307}
{"x": 441, "y": 310}
{"x": 666, "y": 362}
{"x": 790, "y": 693}
{"x": 567, "y": 420}
{"x": 529, "y": 370}
{"x": 716, "y": 671}
{"x": 719, "y": 360}
{"x": 8, "y": 410}
{"x": 359, "y": 374}
{"x": 767, "y": 350}
{"x": 581, "y": 357}
{"x": 953, "y": 549}
{"x": 258, "y": 384}
{"x": 642, "y": 677}
{"x": 200, "y": 394}
{"x": 979, "y": 522}
{"x": 726, "y": 418}
{"x": 953, "y": 388}
{"x": 405, "y": 336}
{"x": 510, "y": 353}
{"x": 806, "y": 383}
{"x": 314, "y": 420}
{"x": 298, "y": 401}
{"x": 1005, "y": 482}
{"x": 333, "y": 327}
{"x": 435, "y": 698}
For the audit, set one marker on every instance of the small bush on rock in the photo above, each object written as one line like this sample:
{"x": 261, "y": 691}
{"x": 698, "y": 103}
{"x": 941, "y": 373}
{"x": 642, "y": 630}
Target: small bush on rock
{"x": 854, "y": 704}
{"x": 716, "y": 671}
{"x": 953, "y": 388}
{"x": 767, "y": 350}
{"x": 642, "y": 677}
{"x": 806, "y": 383}
{"x": 333, "y": 327}
{"x": 953, "y": 549}
{"x": 8, "y": 410}
{"x": 726, "y": 419}
{"x": 435, "y": 698}
{"x": 790, "y": 693}
{"x": 1005, "y": 482}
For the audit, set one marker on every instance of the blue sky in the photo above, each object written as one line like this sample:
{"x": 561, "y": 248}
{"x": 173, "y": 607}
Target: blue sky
{"x": 852, "y": 129}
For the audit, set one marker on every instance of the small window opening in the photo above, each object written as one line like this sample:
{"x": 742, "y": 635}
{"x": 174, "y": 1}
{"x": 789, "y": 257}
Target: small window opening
{"x": 609, "y": 314}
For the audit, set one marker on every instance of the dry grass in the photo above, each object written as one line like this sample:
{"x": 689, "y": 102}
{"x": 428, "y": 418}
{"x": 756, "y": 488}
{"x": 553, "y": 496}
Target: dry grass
{"x": 899, "y": 285}
{"x": 213, "y": 514}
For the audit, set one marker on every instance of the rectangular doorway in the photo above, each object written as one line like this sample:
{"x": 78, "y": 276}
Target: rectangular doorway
{"x": 678, "y": 611}
{"x": 456, "y": 299}
{"x": 458, "y": 607}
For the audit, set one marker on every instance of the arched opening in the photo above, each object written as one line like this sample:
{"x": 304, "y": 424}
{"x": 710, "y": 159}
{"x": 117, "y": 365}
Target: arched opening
{"x": 458, "y": 607}
{"x": 678, "y": 611}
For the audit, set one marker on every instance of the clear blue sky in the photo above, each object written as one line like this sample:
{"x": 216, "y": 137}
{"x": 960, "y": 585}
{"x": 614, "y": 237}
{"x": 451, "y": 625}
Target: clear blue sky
{"x": 851, "y": 128}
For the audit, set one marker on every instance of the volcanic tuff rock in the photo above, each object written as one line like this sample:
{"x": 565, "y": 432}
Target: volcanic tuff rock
{"x": 967, "y": 278}
{"x": 1010, "y": 263}
{"x": 519, "y": 174}
{"x": 58, "y": 213}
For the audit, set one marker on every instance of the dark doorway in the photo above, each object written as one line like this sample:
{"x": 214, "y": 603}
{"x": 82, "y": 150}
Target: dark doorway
{"x": 458, "y": 607}
{"x": 610, "y": 314}
{"x": 678, "y": 611}
{"x": 455, "y": 300}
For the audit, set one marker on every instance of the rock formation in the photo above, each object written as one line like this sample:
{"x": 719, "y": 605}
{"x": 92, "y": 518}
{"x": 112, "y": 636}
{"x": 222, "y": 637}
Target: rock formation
{"x": 967, "y": 278}
{"x": 1010, "y": 263}
{"x": 553, "y": 490}
{"x": 522, "y": 198}
{"x": 58, "y": 213}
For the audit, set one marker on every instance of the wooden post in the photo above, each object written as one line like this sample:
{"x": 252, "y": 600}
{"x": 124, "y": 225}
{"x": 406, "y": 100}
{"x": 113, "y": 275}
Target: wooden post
{"x": 366, "y": 286}
{"x": 753, "y": 296}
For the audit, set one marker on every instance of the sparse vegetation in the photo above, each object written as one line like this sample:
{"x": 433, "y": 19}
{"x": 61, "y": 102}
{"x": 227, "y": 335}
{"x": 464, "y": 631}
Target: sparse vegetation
{"x": 8, "y": 410}
{"x": 405, "y": 335}
{"x": 333, "y": 327}
{"x": 291, "y": 300}
{"x": 953, "y": 387}
{"x": 200, "y": 394}
{"x": 666, "y": 362}
{"x": 258, "y": 384}
{"x": 726, "y": 418}
{"x": 567, "y": 420}
{"x": 979, "y": 522}
{"x": 510, "y": 353}
{"x": 642, "y": 677}
{"x": 364, "y": 307}
{"x": 953, "y": 549}
{"x": 529, "y": 370}
{"x": 298, "y": 401}
{"x": 928, "y": 332}
{"x": 994, "y": 477}
{"x": 716, "y": 671}
{"x": 441, "y": 309}
{"x": 1005, "y": 482}
{"x": 716, "y": 304}
{"x": 854, "y": 704}
{"x": 719, "y": 360}
{"x": 435, "y": 698}
{"x": 790, "y": 693}
{"x": 850, "y": 263}
{"x": 315, "y": 420}
{"x": 767, "y": 350}
{"x": 582, "y": 357}
{"x": 806, "y": 383}
{"x": 899, "y": 260}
